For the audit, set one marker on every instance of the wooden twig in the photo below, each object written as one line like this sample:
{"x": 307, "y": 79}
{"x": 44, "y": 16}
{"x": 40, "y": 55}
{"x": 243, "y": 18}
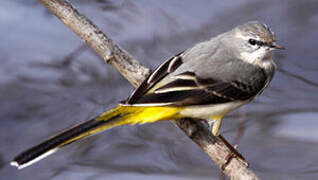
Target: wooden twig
{"x": 135, "y": 73}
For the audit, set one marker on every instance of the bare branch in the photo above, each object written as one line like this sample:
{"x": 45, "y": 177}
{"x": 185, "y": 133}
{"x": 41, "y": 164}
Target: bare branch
{"x": 215, "y": 149}
{"x": 135, "y": 73}
{"x": 129, "y": 67}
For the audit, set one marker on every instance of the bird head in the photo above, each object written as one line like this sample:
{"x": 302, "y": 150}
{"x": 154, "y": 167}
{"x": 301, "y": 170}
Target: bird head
{"x": 254, "y": 42}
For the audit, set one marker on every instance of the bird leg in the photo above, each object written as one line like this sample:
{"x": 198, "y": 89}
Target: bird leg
{"x": 215, "y": 127}
{"x": 233, "y": 154}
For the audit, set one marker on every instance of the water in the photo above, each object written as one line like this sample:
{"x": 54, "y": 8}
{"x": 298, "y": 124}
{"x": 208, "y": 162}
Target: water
{"x": 50, "y": 80}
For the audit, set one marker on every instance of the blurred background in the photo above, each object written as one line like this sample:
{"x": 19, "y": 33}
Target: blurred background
{"x": 49, "y": 80}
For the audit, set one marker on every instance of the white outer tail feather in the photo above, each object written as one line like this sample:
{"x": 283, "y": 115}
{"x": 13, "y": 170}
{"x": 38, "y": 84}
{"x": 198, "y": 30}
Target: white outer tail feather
{"x": 21, "y": 166}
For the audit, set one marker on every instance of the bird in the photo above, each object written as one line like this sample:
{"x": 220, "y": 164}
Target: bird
{"x": 206, "y": 82}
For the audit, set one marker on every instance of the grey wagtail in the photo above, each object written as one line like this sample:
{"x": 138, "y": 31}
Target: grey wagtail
{"x": 206, "y": 81}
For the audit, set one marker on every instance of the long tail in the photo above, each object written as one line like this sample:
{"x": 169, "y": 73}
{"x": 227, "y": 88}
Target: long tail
{"x": 120, "y": 115}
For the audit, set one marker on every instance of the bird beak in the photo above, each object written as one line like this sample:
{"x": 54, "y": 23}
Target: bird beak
{"x": 276, "y": 46}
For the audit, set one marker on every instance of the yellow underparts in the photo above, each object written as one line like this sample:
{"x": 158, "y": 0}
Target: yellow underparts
{"x": 122, "y": 115}
{"x": 142, "y": 115}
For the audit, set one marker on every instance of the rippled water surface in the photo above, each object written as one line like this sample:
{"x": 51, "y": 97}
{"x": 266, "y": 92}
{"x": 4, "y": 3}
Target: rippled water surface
{"x": 50, "y": 80}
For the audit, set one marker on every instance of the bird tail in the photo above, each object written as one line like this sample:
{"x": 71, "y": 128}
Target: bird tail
{"x": 120, "y": 115}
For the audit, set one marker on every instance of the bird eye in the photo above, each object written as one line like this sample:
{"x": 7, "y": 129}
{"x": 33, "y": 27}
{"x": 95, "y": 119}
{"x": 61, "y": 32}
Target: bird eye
{"x": 252, "y": 42}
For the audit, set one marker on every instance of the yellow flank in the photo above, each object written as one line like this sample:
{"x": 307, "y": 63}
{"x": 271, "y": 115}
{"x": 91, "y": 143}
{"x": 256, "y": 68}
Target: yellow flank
{"x": 142, "y": 115}
{"x": 130, "y": 115}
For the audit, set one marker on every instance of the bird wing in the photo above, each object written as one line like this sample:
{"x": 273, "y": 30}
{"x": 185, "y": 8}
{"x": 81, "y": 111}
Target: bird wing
{"x": 187, "y": 88}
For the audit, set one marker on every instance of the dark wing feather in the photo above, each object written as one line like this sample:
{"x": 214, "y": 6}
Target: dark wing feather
{"x": 180, "y": 84}
{"x": 163, "y": 70}
{"x": 181, "y": 98}
{"x": 202, "y": 92}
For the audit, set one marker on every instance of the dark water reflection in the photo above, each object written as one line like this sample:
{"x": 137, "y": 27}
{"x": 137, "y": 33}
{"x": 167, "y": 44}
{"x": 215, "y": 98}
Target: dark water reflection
{"x": 50, "y": 80}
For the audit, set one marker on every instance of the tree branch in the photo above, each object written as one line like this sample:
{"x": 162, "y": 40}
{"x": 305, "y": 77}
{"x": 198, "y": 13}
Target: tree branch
{"x": 135, "y": 73}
